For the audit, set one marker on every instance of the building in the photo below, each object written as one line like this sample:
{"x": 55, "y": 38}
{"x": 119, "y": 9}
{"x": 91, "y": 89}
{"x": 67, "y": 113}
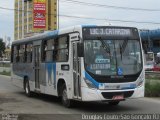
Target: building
{"x": 34, "y": 16}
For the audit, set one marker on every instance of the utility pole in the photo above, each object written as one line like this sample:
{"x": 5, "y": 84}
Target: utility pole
{"x": 58, "y": 14}
{"x": 149, "y": 40}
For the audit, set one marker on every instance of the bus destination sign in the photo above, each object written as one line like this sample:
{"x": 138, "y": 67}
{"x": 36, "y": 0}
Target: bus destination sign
{"x": 110, "y": 33}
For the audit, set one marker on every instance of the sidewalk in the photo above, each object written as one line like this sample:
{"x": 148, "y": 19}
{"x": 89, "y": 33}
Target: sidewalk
{"x": 7, "y": 69}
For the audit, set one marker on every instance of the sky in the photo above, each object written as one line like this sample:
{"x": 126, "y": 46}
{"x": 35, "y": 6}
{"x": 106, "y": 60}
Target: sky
{"x": 107, "y": 14}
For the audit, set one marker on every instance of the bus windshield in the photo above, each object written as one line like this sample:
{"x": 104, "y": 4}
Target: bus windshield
{"x": 112, "y": 57}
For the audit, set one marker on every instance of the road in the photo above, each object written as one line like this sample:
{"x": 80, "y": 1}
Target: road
{"x": 13, "y": 100}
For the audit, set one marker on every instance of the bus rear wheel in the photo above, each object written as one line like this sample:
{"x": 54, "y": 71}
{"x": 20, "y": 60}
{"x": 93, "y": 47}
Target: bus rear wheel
{"x": 65, "y": 101}
{"x": 114, "y": 103}
{"x": 27, "y": 88}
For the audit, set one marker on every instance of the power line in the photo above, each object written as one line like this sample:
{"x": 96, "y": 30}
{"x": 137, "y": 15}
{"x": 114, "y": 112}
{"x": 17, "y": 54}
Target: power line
{"x": 109, "y": 6}
{"x": 80, "y": 17}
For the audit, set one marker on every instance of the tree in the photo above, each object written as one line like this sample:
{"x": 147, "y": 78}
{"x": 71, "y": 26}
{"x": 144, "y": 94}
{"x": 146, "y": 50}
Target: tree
{"x": 2, "y": 47}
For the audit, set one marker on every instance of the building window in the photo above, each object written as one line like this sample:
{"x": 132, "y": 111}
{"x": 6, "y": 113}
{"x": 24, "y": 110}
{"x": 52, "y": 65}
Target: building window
{"x": 30, "y": 19}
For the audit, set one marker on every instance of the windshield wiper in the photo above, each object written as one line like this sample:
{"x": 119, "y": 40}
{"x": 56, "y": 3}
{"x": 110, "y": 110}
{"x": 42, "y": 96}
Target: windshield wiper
{"x": 105, "y": 46}
{"x": 124, "y": 45}
{"x": 120, "y": 50}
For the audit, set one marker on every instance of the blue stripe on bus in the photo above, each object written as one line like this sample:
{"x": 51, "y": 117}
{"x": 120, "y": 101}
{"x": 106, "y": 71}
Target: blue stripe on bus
{"x": 54, "y": 73}
{"x": 49, "y": 68}
{"x": 87, "y": 76}
{"x": 89, "y": 25}
{"x": 53, "y": 33}
{"x": 132, "y": 86}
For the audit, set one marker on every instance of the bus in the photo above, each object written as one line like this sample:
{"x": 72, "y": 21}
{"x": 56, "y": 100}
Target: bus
{"x": 83, "y": 63}
{"x": 149, "y": 61}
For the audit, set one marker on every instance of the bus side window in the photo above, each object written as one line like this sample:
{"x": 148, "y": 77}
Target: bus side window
{"x": 29, "y": 53}
{"x": 14, "y": 54}
{"x": 25, "y": 54}
{"x": 17, "y": 53}
{"x": 47, "y": 50}
{"x": 22, "y": 53}
{"x": 62, "y": 50}
{"x": 44, "y": 49}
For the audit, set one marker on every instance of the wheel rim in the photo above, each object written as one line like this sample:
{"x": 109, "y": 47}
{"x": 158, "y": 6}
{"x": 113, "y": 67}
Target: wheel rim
{"x": 27, "y": 90}
{"x": 65, "y": 97}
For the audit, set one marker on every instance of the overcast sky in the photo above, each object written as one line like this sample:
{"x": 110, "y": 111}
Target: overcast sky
{"x": 108, "y": 14}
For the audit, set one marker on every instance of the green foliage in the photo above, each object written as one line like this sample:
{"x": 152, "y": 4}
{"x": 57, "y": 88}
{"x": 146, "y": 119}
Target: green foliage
{"x": 2, "y": 47}
{"x": 152, "y": 89}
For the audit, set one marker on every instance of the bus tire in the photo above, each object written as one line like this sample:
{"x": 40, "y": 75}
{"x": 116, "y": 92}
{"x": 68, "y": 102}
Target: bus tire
{"x": 114, "y": 103}
{"x": 65, "y": 101}
{"x": 27, "y": 88}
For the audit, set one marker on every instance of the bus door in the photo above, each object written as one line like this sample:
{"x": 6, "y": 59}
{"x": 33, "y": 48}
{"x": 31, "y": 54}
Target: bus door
{"x": 36, "y": 54}
{"x": 76, "y": 72}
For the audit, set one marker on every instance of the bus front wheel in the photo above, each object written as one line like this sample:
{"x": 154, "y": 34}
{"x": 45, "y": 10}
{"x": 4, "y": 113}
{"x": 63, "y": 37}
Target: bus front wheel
{"x": 65, "y": 101}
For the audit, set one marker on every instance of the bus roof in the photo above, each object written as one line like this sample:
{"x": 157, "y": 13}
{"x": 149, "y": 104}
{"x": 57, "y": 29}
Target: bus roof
{"x": 50, "y": 34}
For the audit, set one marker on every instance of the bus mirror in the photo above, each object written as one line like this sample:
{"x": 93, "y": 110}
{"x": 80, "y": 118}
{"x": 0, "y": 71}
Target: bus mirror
{"x": 80, "y": 50}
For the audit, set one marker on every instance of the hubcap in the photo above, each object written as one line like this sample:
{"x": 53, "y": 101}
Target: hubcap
{"x": 27, "y": 91}
{"x": 65, "y": 98}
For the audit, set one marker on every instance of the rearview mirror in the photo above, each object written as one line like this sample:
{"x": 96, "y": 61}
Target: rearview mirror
{"x": 80, "y": 50}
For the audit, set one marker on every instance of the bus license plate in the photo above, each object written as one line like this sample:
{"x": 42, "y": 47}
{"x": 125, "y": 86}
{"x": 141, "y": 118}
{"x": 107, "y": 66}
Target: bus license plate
{"x": 118, "y": 97}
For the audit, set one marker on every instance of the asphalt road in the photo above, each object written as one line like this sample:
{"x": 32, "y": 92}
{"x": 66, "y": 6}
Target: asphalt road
{"x": 41, "y": 107}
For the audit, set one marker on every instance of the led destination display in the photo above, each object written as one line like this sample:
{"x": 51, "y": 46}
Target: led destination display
{"x": 110, "y": 33}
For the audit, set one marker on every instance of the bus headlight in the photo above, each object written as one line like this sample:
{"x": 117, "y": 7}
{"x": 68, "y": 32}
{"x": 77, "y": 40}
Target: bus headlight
{"x": 139, "y": 83}
{"x": 140, "y": 80}
{"x": 90, "y": 84}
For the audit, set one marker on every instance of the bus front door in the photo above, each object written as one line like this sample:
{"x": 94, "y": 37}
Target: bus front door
{"x": 36, "y": 55}
{"x": 76, "y": 72}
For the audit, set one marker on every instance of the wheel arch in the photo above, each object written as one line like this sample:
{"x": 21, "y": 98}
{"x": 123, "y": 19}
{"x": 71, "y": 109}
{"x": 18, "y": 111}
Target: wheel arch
{"x": 60, "y": 84}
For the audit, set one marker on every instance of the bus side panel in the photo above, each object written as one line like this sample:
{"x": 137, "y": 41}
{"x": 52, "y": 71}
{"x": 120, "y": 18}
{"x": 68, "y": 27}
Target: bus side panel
{"x": 66, "y": 75}
{"x": 20, "y": 71}
{"x": 48, "y": 82}
{"x": 16, "y": 80}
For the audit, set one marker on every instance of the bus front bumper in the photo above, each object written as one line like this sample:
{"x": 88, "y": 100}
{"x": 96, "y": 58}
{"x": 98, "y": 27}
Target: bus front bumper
{"x": 110, "y": 95}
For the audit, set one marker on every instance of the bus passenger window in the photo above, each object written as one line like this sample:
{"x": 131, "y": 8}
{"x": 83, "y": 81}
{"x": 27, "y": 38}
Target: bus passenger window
{"x": 17, "y": 53}
{"x": 29, "y": 53}
{"x": 44, "y": 49}
{"x": 22, "y": 53}
{"x": 48, "y": 48}
{"x": 62, "y": 49}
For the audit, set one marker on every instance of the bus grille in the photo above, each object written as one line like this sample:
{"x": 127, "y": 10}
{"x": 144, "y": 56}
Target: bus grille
{"x": 109, "y": 95}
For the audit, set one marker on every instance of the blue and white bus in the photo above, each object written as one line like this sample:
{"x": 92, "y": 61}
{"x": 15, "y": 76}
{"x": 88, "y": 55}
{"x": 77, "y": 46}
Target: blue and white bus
{"x": 84, "y": 63}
